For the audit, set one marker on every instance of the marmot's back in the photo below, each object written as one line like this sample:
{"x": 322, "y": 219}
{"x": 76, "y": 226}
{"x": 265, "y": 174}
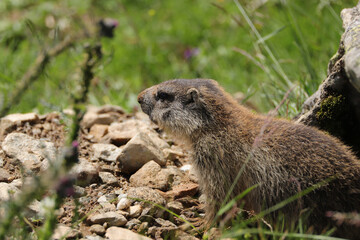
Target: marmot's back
{"x": 282, "y": 157}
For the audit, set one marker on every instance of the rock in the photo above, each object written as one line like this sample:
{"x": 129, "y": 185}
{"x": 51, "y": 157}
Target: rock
{"x": 171, "y": 154}
{"x": 146, "y": 193}
{"x": 132, "y": 223}
{"x": 92, "y": 118}
{"x": 151, "y": 175}
{"x": 9, "y": 122}
{"x": 175, "y": 206}
{"x": 116, "y": 233}
{"x": 79, "y": 191}
{"x": 85, "y": 173}
{"x": 105, "y": 203}
{"x": 135, "y": 211}
{"x": 109, "y": 109}
{"x": 65, "y": 232}
{"x": 123, "y": 203}
{"x": 121, "y": 133}
{"x": 143, "y": 227}
{"x": 97, "y": 229}
{"x": 181, "y": 235}
{"x": 33, "y": 210}
{"x": 106, "y": 152}
{"x": 189, "y": 189}
{"x": 138, "y": 151}
{"x": 7, "y": 190}
{"x": 108, "y": 178}
{"x": 111, "y": 218}
{"x": 33, "y": 151}
{"x": 4, "y": 175}
{"x": 91, "y": 237}
{"x": 98, "y": 131}
{"x": 165, "y": 223}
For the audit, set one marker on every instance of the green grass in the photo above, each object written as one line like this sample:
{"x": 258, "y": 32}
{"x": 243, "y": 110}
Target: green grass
{"x": 150, "y": 42}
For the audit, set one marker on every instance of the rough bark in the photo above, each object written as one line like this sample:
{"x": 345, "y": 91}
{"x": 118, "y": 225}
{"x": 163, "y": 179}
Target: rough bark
{"x": 335, "y": 106}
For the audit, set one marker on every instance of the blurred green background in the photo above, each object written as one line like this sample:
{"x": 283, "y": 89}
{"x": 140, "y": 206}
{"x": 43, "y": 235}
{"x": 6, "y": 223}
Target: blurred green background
{"x": 160, "y": 40}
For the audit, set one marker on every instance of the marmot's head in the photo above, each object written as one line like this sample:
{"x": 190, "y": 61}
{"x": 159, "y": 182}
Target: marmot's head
{"x": 182, "y": 106}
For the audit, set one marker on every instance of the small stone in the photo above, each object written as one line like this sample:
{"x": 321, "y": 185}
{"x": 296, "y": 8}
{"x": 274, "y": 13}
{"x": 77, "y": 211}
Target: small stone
{"x": 33, "y": 151}
{"x": 121, "y": 133}
{"x": 165, "y": 223}
{"x": 4, "y": 175}
{"x": 98, "y": 131}
{"x": 175, "y": 206}
{"x": 143, "y": 227}
{"x": 181, "y": 235}
{"x": 132, "y": 223}
{"x": 123, "y": 203}
{"x": 111, "y": 218}
{"x": 171, "y": 154}
{"x": 138, "y": 151}
{"x": 92, "y": 118}
{"x": 97, "y": 229}
{"x": 146, "y": 193}
{"x": 151, "y": 175}
{"x": 108, "y": 178}
{"x": 110, "y": 109}
{"x": 106, "y": 152}
{"x": 92, "y": 237}
{"x": 7, "y": 190}
{"x": 135, "y": 211}
{"x": 116, "y": 233}
{"x": 85, "y": 173}
{"x": 189, "y": 189}
{"x": 79, "y": 191}
{"x": 9, "y": 122}
{"x": 65, "y": 232}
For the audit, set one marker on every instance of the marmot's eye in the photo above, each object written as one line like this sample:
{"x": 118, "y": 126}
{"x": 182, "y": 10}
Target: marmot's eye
{"x": 163, "y": 96}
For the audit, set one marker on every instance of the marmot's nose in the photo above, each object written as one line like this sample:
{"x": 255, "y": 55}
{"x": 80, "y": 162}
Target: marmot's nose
{"x": 141, "y": 98}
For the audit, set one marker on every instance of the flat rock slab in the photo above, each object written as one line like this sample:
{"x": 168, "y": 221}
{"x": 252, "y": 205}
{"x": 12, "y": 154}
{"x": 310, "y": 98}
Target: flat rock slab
{"x": 117, "y": 233}
{"x": 138, "y": 151}
{"x": 28, "y": 150}
{"x": 189, "y": 189}
{"x": 111, "y": 218}
{"x": 121, "y": 133}
{"x": 9, "y": 122}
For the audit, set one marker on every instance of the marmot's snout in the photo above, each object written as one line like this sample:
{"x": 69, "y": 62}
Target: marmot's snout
{"x": 145, "y": 102}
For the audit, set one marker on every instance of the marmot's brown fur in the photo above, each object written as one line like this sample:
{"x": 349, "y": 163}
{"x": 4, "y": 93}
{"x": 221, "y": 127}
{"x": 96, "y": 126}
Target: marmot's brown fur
{"x": 283, "y": 158}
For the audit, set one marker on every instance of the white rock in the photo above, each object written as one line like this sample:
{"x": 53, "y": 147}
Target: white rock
{"x": 106, "y": 152}
{"x": 28, "y": 150}
{"x": 7, "y": 190}
{"x": 108, "y": 178}
{"x": 135, "y": 211}
{"x": 123, "y": 203}
{"x": 116, "y": 233}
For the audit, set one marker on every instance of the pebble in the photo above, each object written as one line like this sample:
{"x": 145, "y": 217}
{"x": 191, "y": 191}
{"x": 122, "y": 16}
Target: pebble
{"x": 111, "y": 218}
{"x": 97, "y": 229}
{"x": 116, "y": 233}
{"x": 106, "y": 152}
{"x": 108, "y": 178}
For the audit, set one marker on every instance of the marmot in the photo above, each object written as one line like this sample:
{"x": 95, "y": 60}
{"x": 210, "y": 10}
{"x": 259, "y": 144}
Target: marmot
{"x": 281, "y": 157}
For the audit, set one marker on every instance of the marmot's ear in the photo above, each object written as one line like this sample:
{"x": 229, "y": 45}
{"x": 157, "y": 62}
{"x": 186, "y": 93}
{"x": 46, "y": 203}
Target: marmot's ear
{"x": 193, "y": 95}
